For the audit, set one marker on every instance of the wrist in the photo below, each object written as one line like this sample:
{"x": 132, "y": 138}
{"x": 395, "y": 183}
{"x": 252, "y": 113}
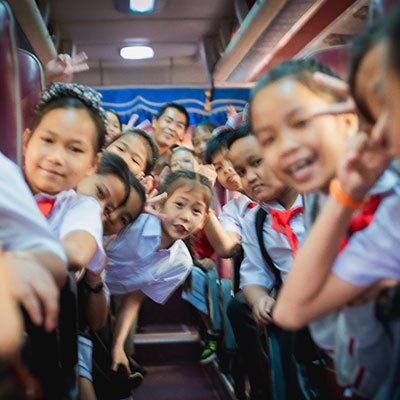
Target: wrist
{"x": 352, "y": 201}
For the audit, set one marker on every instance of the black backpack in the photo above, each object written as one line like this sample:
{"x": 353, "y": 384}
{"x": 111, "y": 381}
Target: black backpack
{"x": 297, "y": 364}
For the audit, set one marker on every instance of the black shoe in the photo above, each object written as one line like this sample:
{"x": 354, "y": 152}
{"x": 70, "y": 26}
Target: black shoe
{"x": 135, "y": 379}
{"x": 136, "y": 367}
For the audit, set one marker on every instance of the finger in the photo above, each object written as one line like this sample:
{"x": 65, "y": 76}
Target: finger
{"x": 79, "y": 68}
{"x": 145, "y": 124}
{"x": 79, "y": 58}
{"x": 152, "y": 211}
{"x": 378, "y": 133}
{"x": 114, "y": 366}
{"x": 109, "y": 240}
{"x": 152, "y": 194}
{"x": 31, "y": 305}
{"x": 47, "y": 293}
{"x": 337, "y": 85}
{"x": 156, "y": 199}
{"x": 347, "y": 107}
{"x": 132, "y": 120}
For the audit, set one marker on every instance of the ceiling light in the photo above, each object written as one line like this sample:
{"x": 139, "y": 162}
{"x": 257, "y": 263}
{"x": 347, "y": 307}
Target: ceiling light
{"x": 136, "y": 52}
{"x": 141, "y": 6}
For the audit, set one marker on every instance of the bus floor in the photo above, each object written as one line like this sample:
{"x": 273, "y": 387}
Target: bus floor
{"x": 167, "y": 345}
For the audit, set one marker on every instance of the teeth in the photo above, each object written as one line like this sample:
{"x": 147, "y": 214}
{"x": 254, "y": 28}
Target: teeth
{"x": 299, "y": 165}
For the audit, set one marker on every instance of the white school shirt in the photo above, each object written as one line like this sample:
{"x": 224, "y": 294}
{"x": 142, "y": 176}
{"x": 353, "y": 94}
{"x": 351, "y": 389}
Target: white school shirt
{"x": 77, "y": 212}
{"x": 233, "y": 213}
{"x": 22, "y": 226}
{"x": 135, "y": 264}
{"x": 254, "y": 270}
{"x": 373, "y": 253}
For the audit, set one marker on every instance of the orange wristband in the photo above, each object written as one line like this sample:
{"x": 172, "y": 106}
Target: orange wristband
{"x": 338, "y": 193}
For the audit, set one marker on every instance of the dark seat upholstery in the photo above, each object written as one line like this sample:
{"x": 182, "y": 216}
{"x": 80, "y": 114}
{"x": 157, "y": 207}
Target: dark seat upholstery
{"x": 10, "y": 115}
{"x": 32, "y": 83}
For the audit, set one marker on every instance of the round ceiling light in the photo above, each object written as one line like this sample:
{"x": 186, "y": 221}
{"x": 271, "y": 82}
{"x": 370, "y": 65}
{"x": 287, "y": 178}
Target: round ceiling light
{"x": 137, "y": 52}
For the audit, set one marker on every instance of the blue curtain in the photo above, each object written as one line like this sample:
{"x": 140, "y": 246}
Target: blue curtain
{"x": 146, "y": 102}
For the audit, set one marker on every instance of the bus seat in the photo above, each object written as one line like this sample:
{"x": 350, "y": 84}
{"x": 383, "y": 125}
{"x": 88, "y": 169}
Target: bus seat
{"x": 32, "y": 83}
{"x": 10, "y": 111}
{"x": 337, "y": 57}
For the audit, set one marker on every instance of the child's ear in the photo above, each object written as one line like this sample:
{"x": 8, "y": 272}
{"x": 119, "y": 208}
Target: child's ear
{"x": 350, "y": 122}
{"x": 25, "y": 138}
{"x": 93, "y": 168}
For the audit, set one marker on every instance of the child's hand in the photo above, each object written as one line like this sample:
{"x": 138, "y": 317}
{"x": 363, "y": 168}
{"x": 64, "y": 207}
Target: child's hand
{"x": 209, "y": 172}
{"x": 151, "y": 205}
{"x": 64, "y": 65}
{"x": 361, "y": 165}
{"x": 231, "y": 111}
{"x": 163, "y": 174}
{"x": 119, "y": 357}
{"x": 147, "y": 181}
{"x": 262, "y": 310}
{"x": 341, "y": 88}
{"x": 132, "y": 121}
{"x": 34, "y": 288}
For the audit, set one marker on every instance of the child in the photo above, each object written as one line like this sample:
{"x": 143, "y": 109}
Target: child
{"x": 137, "y": 149}
{"x": 159, "y": 262}
{"x": 251, "y": 306}
{"x": 201, "y": 134}
{"x": 298, "y": 148}
{"x": 182, "y": 158}
{"x": 114, "y": 125}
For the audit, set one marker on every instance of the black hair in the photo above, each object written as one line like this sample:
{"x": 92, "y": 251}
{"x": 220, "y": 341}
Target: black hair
{"x": 243, "y": 130}
{"x": 206, "y": 125}
{"x": 178, "y": 107}
{"x": 177, "y": 179}
{"x": 217, "y": 144}
{"x": 393, "y": 32}
{"x": 113, "y": 164}
{"x": 138, "y": 187}
{"x": 71, "y": 95}
{"x": 152, "y": 154}
{"x": 360, "y": 45}
{"x": 302, "y": 71}
{"x": 106, "y": 110}
{"x": 183, "y": 148}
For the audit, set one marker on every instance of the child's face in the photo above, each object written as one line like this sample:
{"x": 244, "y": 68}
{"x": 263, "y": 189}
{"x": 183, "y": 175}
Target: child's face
{"x": 369, "y": 79}
{"x": 226, "y": 174}
{"x": 113, "y": 127}
{"x": 199, "y": 141}
{"x": 185, "y": 211}
{"x": 182, "y": 160}
{"x": 60, "y": 152}
{"x": 124, "y": 215}
{"x": 170, "y": 128}
{"x": 107, "y": 189}
{"x": 302, "y": 151}
{"x": 258, "y": 181}
{"x": 133, "y": 150}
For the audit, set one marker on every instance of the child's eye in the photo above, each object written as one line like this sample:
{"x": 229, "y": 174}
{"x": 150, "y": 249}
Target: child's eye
{"x": 125, "y": 221}
{"x": 107, "y": 211}
{"x": 218, "y": 169}
{"x": 100, "y": 193}
{"x": 256, "y": 163}
{"x": 179, "y": 204}
{"x": 301, "y": 124}
{"x": 46, "y": 139}
{"x": 135, "y": 161}
{"x": 267, "y": 141}
{"x": 121, "y": 149}
{"x": 240, "y": 172}
{"x": 197, "y": 211}
{"x": 76, "y": 149}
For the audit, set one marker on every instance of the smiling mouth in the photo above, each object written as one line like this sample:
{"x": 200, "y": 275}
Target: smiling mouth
{"x": 257, "y": 188}
{"x": 51, "y": 172}
{"x": 231, "y": 178}
{"x": 180, "y": 229}
{"x": 300, "y": 166}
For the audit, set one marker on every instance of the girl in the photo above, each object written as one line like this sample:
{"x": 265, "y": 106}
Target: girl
{"x": 201, "y": 134}
{"x": 182, "y": 158}
{"x": 159, "y": 262}
{"x": 114, "y": 125}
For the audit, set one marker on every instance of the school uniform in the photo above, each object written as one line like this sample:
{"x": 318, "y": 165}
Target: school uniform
{"x": 135, "y": 263}
{"x": 22, "y": 227}
{"x": 231, "y": 219}
{"x": 356, "y": 340}
{"x": 75, "y": 212}
{"x": 254, "y": 270}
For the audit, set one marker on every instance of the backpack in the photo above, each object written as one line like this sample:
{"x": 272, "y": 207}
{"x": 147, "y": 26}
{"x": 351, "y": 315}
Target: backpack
{"x": 297, "y": 366}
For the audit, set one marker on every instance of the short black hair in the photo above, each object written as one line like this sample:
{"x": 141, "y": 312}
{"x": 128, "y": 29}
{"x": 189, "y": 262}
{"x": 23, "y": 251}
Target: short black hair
{"x": 106, "y": 110}
{"x": 138, "y": 187}
{"x": 178, "y": 107}
{"x": 217, "y": 144}
{"x": 113, "y": 164}
{"x": 152, "y": 154}
{"x": 206, "y": 125}
{"x": 360, "y": 45}
{"x": 243, "y": 130}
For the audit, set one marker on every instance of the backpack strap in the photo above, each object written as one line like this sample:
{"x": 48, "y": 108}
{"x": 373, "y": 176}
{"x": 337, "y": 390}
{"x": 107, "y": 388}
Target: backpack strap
{"x": 260, "y": 218}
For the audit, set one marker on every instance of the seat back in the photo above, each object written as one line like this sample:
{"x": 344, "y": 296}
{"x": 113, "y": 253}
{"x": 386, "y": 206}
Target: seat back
{"x": 336, "y": 57}
{"x": 32, "y": 83}
{"x": 10, "y": 114}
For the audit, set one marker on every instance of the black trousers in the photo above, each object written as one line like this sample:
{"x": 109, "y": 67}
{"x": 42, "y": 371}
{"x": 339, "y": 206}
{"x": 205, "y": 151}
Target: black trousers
{"x": 250, "y": 340}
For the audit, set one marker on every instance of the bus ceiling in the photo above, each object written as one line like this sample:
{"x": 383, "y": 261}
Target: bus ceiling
{"x": 205, "y": 43}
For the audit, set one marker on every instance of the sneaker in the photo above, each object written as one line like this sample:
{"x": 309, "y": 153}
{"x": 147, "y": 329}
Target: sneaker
{"x": 135, "y": 379}
{"x": 209, "y": 353}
